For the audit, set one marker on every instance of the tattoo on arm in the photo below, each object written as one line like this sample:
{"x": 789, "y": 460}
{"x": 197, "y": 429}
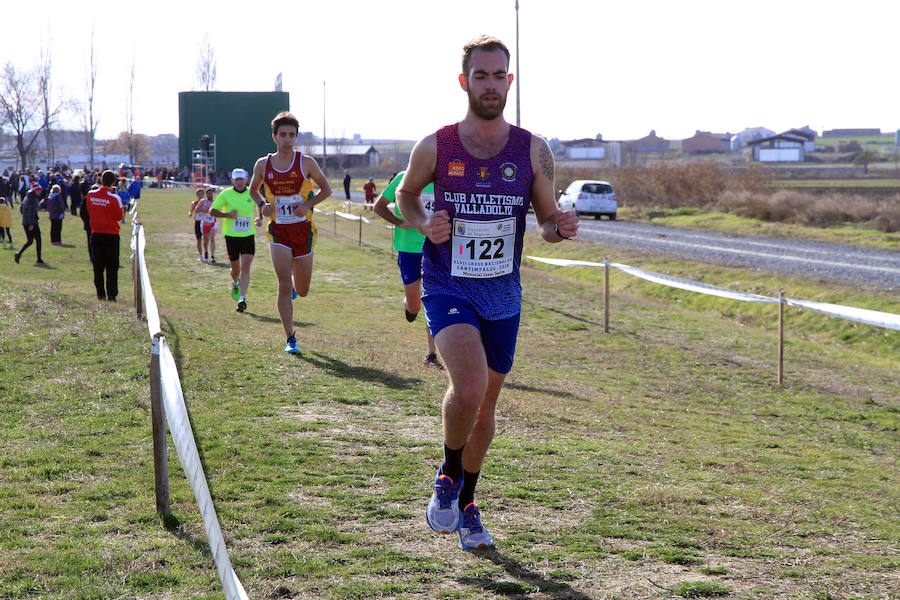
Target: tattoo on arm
{"x": 546, "y": 160}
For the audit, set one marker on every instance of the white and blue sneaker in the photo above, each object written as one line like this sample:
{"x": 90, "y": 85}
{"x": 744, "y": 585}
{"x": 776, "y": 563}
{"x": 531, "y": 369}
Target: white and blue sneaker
{"x": 293, "y": 294}
{"x": 291, "y": 347}
{"x": 472, "y": 536}
{"x": 443, "y": 513}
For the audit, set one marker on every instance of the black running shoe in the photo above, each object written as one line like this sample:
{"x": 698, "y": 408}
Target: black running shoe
{"x": 410, "y": 316}
{"x": 432, "y": 361}
{"x": 242, "y": 306}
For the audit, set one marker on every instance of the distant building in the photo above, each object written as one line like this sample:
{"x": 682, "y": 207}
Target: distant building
{"x": 808, "y": 134}
{"x": 583, "y": 149}
{"x": 344, "y": 156}
{"x": 649, "y": 144}
{"x": 782, "y": 147}
{"x": 837, "y": 133}
{"x": 704, "y": 142}
{"x": 748, "y": 135}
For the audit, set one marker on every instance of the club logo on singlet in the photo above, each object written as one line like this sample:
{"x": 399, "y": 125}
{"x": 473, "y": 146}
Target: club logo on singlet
{"x": 508, "y": 172}
{"x": 484, "y": 177}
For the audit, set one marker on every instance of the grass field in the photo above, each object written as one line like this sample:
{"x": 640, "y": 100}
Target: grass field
{"x": 875, "y": 140}
{"x": 659, "y": 460}
{"x": 695, "y": 218}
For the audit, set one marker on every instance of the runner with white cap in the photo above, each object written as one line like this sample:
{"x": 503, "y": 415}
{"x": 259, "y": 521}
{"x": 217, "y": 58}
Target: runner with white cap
{"x": 235, "y": 207}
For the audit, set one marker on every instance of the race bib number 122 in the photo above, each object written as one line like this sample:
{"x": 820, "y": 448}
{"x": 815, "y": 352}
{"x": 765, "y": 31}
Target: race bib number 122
{"x": 483, "y": 249}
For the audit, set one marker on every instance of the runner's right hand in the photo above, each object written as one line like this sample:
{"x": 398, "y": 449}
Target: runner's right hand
{"x": 437, "y": 227}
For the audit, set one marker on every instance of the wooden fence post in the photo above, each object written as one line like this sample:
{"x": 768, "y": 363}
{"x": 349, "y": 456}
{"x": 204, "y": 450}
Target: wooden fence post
{"x": 158, "y": 418}
{"x": 605, "y": 295}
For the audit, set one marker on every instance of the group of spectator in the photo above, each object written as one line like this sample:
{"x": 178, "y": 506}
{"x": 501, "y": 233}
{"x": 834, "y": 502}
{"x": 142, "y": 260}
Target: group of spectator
{"x": 58, "y": 191}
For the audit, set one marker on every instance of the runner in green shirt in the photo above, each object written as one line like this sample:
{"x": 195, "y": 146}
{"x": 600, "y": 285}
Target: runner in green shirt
{"x": 408, "y": 243}
{"x": 235, "y": 207}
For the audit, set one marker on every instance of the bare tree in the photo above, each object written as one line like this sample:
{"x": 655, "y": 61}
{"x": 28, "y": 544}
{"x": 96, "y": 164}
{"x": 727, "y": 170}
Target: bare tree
{"x": 51, "y": 108}
{"x": 88, "y": 122}
{"x": 206, "y": 65}
{"x": 20, "y": 103}
{"x": 44, "y": 72}
{"x": 136, "y": 145}
{"x": 129, "y": 117}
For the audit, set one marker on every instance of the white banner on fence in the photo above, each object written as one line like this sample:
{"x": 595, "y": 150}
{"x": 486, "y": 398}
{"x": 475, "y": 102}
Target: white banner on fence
{"x": 182, "y": 434}
{"x": 860, "y": 315}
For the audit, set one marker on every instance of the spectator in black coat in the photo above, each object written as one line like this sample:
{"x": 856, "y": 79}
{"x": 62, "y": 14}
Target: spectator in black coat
{"x": 75, "y": 194}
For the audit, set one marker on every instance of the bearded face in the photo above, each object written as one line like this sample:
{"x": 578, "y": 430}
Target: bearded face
{"x": 488, "y": 105}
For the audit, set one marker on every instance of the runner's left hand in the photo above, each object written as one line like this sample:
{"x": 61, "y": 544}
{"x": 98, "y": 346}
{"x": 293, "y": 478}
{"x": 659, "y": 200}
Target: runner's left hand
{"x": 567, "y": 223}
{"x": 300, "y": 209}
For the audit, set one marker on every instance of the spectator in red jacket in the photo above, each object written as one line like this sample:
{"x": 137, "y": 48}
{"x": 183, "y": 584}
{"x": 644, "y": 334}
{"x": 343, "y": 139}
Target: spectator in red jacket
{"x": 370, "y": 191}
{"x": 105, "y": 212}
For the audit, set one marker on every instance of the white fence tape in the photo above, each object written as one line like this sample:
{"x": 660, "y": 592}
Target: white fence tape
{"x": 350, "y": 217}
{"x": 138, "y": 244}
{"x": 183, "y": 437}
{"x": 860, "y": 315}
{"x": 676, "y": 282}
{"x": 693, "y": 286}
{"x": 182, "y": 434}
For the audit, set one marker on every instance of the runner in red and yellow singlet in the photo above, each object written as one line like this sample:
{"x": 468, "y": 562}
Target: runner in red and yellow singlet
{"x": 288, "y": 176}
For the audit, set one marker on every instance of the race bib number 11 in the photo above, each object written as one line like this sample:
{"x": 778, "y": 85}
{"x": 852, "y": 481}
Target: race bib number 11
{"x": 483, "y": 249}
{"x": 284, "y": 209}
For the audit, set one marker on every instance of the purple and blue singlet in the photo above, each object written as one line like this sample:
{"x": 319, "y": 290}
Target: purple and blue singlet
{"x": 487, "y": 201}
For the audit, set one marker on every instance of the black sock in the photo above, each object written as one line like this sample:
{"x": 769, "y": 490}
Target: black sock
{"x": 467, "y": 493}
{"x": 453, "y": 467}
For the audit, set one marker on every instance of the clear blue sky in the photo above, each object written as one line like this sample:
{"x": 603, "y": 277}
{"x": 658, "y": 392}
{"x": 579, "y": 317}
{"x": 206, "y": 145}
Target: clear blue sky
{"x": 587, "y": 67}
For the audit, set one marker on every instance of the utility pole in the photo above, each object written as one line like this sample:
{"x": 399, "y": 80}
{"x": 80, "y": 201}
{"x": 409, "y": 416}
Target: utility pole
{"x": 324, "y": 135}
{"x": 518, "y": 72}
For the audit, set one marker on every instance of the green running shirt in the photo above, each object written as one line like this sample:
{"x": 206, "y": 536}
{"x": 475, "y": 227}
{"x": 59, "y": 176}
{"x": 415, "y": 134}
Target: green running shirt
{"x": 229, "y": 200}
{"x": 408, "y": 240}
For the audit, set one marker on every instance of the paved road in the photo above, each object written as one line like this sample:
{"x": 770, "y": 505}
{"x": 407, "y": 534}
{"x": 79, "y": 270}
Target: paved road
{"x": 878, "y": 269}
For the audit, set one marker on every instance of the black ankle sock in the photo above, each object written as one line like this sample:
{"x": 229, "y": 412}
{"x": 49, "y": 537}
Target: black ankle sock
{"x": 452, "y": 466}
{"x": 467, "y": 493}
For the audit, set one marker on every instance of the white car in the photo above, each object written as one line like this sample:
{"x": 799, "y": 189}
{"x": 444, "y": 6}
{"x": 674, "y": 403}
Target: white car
{"x": 590, "y": 198}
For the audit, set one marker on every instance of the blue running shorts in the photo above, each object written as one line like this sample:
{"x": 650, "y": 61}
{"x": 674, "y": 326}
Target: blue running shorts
{"x": 498, "y": 337}
{"x": 410, "y": 264}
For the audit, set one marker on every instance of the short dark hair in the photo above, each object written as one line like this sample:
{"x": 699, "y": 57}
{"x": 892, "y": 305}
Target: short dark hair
{"x": 483, "y": 42}
{"x": 284, "y": 118}
{"x": 108, "y": 179}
